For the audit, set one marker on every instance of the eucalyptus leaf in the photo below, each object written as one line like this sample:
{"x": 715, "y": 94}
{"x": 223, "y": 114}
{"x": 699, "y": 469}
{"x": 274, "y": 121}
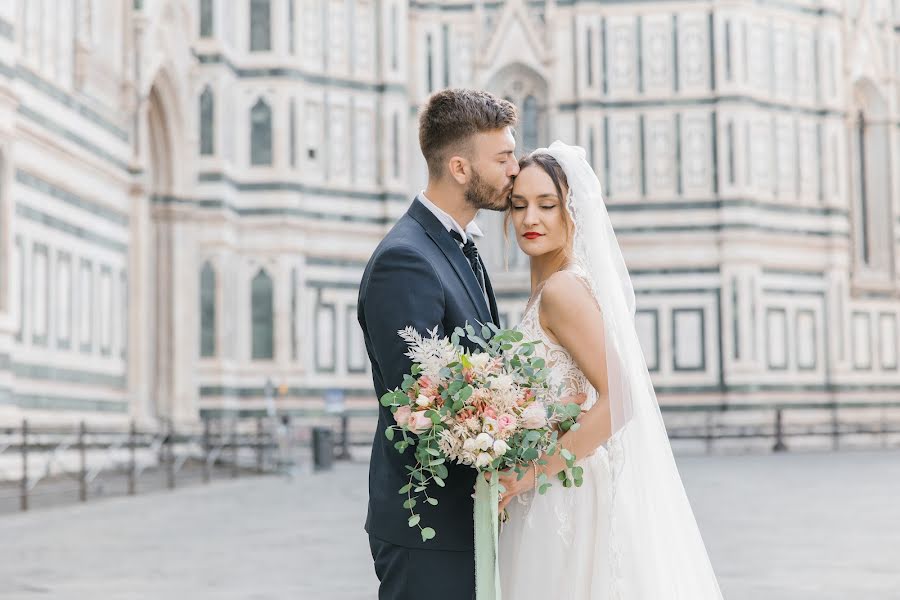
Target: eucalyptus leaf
{"x": 466, "y": 393}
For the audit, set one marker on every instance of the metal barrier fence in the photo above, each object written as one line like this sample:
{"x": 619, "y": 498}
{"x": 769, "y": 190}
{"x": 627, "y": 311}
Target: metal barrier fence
{"x": 75, "y": 461}
{"x": 66, "y": 461}
{"x": 778, "y": 422}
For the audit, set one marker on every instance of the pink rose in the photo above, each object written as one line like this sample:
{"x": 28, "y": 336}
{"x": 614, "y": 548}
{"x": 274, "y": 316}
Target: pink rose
{"x": 490, "y": 413}
{"x": 419, "y": 423}
{"x": 401, "y": 415}
{"x": 506, "y": 421}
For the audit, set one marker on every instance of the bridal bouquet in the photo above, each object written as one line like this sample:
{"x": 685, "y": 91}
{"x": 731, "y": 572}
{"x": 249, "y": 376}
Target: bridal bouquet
{"x": 484, "y": 409}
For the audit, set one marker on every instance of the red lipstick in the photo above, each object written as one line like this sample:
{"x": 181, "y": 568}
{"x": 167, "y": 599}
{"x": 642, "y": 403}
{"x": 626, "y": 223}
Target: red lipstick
{"x": 531, "y": 235}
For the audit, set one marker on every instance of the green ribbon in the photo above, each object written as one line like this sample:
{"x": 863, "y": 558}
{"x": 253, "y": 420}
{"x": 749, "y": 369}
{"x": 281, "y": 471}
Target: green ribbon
{"x": 487, "y": 566}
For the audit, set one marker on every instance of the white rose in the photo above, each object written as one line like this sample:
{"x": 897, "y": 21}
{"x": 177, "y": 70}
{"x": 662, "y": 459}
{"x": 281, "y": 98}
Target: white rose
{"x": 479, "y": 361}
{"x": 483, "y": 460}
{"x": 423, "y": 401}
{"x": 490, "y": 426}
{"x": 500, "y": 448}
{"x": 469, "y": 445}
{"x": 534, "y": 417}
{"x": 484, "y": 442}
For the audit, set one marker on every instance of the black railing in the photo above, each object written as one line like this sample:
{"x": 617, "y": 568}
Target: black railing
{"x": 61, "y": 463}
{"x": 777, "y": 422}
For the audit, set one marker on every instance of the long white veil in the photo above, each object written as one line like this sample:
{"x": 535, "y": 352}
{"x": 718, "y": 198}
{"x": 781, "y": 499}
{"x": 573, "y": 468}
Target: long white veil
{"x": 656, "y": 548}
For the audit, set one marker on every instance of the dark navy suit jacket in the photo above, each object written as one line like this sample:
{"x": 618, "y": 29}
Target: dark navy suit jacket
{"x": 417, "y": 276}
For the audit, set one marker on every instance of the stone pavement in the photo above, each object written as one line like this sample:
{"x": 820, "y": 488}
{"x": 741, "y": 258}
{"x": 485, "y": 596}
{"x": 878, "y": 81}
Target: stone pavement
{"x": 778, "y": 527}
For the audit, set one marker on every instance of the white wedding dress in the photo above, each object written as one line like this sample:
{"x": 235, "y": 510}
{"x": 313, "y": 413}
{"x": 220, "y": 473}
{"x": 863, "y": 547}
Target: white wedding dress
{"x": 556, "y": 545}
{"x": 628, "y": 532}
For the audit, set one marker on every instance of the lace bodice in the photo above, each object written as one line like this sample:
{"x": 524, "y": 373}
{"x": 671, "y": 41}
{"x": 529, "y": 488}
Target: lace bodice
{"x": 564, "y": 376}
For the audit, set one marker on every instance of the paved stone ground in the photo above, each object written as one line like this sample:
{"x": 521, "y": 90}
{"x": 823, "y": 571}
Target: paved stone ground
{"x": 778, "y": 527}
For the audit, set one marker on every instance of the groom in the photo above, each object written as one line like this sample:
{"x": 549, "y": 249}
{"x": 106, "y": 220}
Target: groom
{"x": 427, "y": 273}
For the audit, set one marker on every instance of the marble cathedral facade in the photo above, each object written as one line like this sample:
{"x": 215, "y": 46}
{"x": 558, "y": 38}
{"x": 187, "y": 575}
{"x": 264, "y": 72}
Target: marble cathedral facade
{"x": 189, "y": 189}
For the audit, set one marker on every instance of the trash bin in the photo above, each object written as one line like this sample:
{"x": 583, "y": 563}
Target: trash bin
{"x": 323, "y": 448}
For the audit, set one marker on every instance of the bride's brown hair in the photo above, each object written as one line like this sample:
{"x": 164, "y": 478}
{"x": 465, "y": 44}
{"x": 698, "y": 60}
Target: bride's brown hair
{"x": 552, "y": 168}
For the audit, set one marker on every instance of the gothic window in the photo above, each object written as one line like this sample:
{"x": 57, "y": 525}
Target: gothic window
{"x": 63, "y": 297}
{"x": 39, "y": 294}
{"x": 206, "y": 18}
{"x": 729, "y": 134}
{"x": 19, "y": 262}
{"x": 260, "y": 25}
{"x": 291, "y": 27}
{"x": 530, "y": 123}
{"x": 292, "y": 133}
{"x": 207, "y": 311}
{"x": 260, "y": 134}
{"x": 396, "y": 148}
{"x": 123, "y": 299}
{"x": 446, "y": 41}
{"x": 207, "y": 120}
{"x": 106, "y": 311}
{"x": 592, "y": 148}
{"x": 85, "y": 305}
{"x": 263, "y": 310}
{"x": 429, "y": 63}
{"x": 395, "y": 37}
{"x": 872, "y": 189}
{"x": 589, "y": 57}
{"x": 294, "y": 333}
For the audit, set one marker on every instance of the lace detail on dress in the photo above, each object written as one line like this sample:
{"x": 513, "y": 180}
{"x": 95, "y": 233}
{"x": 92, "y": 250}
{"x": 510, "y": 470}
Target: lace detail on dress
{"x": 564, "y": 379}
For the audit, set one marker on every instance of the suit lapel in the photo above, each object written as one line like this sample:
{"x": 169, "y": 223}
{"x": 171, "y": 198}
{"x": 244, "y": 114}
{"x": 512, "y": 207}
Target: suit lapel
{"x": 441, "y": 237}
{"x": 495, "y": 313}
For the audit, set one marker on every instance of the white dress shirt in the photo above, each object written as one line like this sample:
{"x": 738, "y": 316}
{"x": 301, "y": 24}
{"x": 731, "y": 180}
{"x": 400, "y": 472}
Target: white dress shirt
{"x": 472, "y": 229}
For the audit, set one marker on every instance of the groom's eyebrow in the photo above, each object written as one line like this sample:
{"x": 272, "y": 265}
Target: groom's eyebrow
{"x": 503, "y": 152}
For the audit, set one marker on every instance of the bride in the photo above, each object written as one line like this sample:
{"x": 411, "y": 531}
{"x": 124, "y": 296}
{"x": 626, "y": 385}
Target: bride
{"x": 628, "y": 531}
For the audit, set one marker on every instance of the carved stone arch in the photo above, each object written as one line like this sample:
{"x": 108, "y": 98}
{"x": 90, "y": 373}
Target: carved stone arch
{"x": 523, "y": 86}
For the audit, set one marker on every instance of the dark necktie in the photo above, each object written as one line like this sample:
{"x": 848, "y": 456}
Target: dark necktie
{"x": 471, "y": 253}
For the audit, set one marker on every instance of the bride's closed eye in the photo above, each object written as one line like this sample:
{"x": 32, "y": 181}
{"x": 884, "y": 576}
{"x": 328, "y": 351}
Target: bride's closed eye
{"x": 545, "y": 206}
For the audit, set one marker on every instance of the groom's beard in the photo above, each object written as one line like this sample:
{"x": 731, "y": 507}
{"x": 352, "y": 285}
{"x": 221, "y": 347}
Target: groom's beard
{"x": 481, "y": 195}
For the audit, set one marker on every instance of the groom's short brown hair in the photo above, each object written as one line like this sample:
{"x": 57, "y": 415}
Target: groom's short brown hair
{"x": 451, "y": 117}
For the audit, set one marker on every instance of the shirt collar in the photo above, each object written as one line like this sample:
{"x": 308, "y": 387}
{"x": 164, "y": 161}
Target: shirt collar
{"x": 472, "y": 230}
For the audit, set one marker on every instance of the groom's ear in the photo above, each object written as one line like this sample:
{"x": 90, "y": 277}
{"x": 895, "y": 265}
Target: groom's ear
{"x": 459, "y": 169}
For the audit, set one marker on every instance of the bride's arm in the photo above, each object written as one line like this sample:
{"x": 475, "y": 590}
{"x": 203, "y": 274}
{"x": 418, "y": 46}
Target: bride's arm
{"x": 570, "y": 314}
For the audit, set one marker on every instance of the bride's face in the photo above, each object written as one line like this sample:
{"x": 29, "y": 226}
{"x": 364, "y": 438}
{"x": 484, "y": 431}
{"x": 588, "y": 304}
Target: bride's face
{"x": 537, "y": 212}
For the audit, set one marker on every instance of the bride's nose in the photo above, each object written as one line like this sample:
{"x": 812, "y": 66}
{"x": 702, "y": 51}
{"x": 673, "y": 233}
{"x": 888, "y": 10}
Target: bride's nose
{"x": 531, "y": 215}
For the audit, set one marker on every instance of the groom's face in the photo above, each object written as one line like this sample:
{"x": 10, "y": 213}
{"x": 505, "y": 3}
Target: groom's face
{"x": 493, "y": 166}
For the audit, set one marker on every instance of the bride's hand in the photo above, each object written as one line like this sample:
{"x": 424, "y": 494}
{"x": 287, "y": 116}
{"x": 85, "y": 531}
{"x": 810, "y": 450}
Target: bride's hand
{"x": 578, "y": 399}
{"x": 514, "y": 486}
